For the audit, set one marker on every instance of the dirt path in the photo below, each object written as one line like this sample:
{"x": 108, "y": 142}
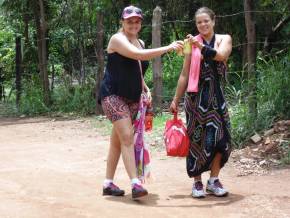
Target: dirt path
{"x": 52, "y": 169}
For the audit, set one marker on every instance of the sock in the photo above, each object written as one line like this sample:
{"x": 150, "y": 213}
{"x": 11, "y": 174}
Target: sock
{"x": 135, "y": 181}
{"x": 197, "y": 180}
{"x": 212, "y": 179}
{"x": 107, "y": 182}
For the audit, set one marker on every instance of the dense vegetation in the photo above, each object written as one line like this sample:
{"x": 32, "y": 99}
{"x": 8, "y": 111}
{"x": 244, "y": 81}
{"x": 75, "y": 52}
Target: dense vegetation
{"x": 56, "y": 67}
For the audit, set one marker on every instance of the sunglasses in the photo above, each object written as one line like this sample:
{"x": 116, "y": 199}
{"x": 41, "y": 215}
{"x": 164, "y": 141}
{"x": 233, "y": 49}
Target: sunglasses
{"x": 131, "y": 10}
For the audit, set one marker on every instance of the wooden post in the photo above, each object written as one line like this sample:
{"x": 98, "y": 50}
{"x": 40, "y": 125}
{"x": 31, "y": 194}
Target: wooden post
{"x": 251, "y": 55}
{"x": 2, "y": 93}
{"x": 157, "y": 65}
{"x": 18, "y": 59}
{"x": 42, "y": 33}
{"x": 100, "y": 57}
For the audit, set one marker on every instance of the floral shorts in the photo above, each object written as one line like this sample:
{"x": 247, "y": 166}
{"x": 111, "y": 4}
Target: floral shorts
{"x": 116, "y": 108}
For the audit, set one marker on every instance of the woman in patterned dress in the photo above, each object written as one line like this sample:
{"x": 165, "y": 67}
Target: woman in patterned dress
{"x": 207, "y": 118}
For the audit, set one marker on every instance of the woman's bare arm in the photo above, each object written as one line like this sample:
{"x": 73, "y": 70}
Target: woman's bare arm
{"x": 119, "y": 43}
{"x": 224, "y": 49}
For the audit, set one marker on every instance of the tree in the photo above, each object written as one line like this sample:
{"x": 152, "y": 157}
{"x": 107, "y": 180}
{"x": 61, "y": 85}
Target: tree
{"x": 157, "y": 67}
{"x": 18, "y": 60}
{"x": 251, "y": 55}
{"x": 100, "y": 56}
{"x": 42, "y": 33}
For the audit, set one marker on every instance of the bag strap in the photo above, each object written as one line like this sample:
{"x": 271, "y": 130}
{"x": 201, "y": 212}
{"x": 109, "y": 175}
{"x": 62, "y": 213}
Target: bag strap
{"x": 142, "y": 79}
{"x": 140, "y": 66}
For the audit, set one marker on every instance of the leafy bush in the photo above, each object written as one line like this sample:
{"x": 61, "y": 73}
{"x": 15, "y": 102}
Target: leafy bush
{"x": 273, "y": 99}
{"x": 273, "y": 85}
{"x": 75, "y": 98}
{"x": 172, "y": 65}
{"x": 31, "y": 101}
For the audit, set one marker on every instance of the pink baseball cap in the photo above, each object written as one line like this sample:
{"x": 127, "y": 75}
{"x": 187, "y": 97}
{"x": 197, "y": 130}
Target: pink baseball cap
{"x": 132, "y": 11}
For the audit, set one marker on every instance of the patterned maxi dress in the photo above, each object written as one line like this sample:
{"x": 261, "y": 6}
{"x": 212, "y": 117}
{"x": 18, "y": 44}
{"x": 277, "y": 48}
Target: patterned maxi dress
{"x": 207, "y": 119}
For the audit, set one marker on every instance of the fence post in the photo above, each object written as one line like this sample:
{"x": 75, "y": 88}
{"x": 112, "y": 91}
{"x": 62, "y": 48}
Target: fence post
{"x": 100, "y": 57}
{"x": 157, "y": 66}
{"x": 18, "y": 59}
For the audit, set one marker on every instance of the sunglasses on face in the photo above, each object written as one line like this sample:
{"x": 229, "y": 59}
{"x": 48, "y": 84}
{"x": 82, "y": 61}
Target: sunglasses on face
{"x": 131, "y": 10}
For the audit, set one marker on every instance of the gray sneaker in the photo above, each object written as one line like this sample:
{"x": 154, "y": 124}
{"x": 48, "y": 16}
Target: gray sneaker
{"x": 216, "y": 189}
{"x": 197, "y": 190}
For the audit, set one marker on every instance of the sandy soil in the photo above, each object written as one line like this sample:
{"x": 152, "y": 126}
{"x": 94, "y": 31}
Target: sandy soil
{"x": 55, "y": 168}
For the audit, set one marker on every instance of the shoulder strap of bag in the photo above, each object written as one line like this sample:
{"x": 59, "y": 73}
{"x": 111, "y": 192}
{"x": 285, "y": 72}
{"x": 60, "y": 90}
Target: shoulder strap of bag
{"x": 140, "y": 66}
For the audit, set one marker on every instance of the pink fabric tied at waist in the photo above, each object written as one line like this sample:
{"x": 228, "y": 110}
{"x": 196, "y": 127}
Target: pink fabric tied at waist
{"x": 194, "y": 67}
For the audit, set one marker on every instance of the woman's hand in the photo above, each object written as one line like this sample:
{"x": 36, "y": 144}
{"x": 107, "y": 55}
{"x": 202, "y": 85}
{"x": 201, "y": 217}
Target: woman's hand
{"x": 177, "y": 45}
{"x": 149, "y": 97}
{"x": 193, "y": 40}
{"x": 173, "y": 107}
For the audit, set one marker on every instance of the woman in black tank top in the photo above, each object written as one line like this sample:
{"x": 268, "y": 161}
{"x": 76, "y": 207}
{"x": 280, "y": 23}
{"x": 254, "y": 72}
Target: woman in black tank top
{"x": 120, "y": 93}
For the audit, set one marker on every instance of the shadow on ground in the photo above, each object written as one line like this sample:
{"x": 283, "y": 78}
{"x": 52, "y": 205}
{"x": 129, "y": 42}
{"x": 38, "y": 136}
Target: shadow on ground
{"x": 152, "y": 200}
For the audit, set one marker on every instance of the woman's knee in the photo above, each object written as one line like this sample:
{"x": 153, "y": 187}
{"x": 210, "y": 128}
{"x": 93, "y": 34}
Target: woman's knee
{"x": 127, "y": 138}
{"x": 124, "y": 131}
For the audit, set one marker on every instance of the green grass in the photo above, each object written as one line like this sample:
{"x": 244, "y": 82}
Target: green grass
{"x": 285, "y": 160}
{"x": 8, "y": 110}
{"x": 154, "y": 137}
{"x": 103, "y": 125}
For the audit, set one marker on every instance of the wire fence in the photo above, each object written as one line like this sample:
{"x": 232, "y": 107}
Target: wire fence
{"x": 91, "y": 35}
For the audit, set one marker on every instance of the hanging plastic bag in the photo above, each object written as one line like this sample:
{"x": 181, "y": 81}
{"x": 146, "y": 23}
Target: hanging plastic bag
{"x": 176, "y": 138}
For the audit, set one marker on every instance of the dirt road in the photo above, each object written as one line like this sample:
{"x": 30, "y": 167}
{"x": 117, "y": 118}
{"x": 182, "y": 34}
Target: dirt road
{"x": 55, "y": 169}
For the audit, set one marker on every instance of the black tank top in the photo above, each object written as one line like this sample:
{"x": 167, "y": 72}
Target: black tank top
{"x": 122, "y": 77}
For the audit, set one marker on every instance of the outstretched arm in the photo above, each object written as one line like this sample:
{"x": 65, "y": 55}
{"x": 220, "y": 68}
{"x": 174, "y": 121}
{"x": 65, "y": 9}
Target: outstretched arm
{"x": 119, "y": 43}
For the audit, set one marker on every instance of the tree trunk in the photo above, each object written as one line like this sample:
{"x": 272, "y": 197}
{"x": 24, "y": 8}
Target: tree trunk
{"x": 80, "y": 41}
{"x": 52, "y": 77}
{"x": 2, "y": 92}
{"x": 157, "y": 65}
{"x": 41, "y": 27}
{"x": 251, "y": 55}
{"x": 100, "y": 56}
{"x": 271, "y": 37}
{"x": 26, "y": 24}
{"x": 18, "y": 59}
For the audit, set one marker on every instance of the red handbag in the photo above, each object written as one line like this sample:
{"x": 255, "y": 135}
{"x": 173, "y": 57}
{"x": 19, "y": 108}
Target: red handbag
{"x": 176, "y": 138}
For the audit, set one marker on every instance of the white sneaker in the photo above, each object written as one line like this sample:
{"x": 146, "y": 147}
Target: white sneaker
{"x": 216, "y": 188}
{"x": 197, "y": 190}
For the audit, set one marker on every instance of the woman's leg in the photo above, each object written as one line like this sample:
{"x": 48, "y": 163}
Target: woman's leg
{"x": 216, "y": 165}
{"x": 109, "y": 188}
{"x": 214, "y": 185}
{"x": 124, "y": 130}
{"x": 197, "y": 178}
{"x": 114, "y": 155}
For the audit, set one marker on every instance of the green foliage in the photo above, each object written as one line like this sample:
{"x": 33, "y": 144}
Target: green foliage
{"x": 7, "y": 52}
{"x": 285, "y": 146}
{"x": 74, "y": 98}
{"x": 241, "y": 125}
{"x": 171, "y": 68}
{"x": 273, "y": 84}
{"x": 32, "y": 98}
{"x": 8, "y": 109}
{"x": 273, "y": 99}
